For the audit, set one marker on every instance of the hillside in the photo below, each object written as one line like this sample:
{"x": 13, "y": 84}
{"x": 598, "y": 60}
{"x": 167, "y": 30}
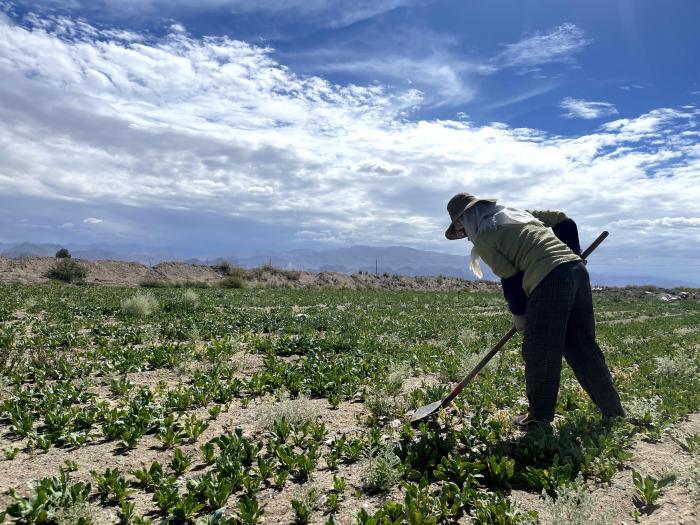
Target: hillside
{"x": 33, "y": 270}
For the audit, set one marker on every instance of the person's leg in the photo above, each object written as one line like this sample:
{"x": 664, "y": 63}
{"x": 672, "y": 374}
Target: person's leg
{"x": 548, "y": 311}
{"x": 584, "y": 355}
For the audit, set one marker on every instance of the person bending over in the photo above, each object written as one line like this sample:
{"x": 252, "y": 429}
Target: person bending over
{"x": 546, "y": 285}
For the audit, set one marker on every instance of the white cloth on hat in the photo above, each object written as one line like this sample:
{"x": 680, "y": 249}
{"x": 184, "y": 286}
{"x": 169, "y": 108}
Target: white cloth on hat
{"x": 487, "y": 216}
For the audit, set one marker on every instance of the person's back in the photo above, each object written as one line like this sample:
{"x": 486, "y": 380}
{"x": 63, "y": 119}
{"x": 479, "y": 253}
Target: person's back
{"x": 529, "y": 248}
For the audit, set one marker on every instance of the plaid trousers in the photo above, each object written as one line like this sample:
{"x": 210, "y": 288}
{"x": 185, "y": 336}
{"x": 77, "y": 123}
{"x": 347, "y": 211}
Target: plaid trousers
{"x": 560, "y": 322}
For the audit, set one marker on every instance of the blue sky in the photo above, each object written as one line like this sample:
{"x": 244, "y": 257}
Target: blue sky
{"x": 222, "y": 125}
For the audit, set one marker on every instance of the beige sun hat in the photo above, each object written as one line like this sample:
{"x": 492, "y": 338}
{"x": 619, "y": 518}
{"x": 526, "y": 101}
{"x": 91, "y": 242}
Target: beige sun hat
{"x": 456, "y": 207}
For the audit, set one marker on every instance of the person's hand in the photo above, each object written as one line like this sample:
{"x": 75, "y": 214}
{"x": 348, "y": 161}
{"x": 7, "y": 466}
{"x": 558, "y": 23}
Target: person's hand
{"x": 519, "y": 322}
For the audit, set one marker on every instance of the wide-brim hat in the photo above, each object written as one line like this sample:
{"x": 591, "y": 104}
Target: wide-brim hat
{"x": 456, "y": 207}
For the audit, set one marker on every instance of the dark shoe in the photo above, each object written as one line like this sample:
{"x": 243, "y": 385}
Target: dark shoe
{"x": 526, "y": 422}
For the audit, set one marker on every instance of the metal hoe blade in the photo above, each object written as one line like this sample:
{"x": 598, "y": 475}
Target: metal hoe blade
{"x": 426, "y": 411}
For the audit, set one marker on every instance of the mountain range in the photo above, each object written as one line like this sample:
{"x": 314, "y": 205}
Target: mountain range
{"x": 391, "y": 259}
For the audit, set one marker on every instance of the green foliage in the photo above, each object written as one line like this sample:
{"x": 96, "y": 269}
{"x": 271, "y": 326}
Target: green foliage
{"x": 180, "y": 462}
{"x": 500, "y": 470}
{"x": 63, "y": 253}
{"x": 11, "y": 453}
{"x": 250, "y": 512}
{"x": 232, "y": 281}
{"x": 648, "y": 489}
{"x": 67, "y": 270}
{"x": 50, "y": 496}
{"x": 285, "y": 356}
{"x": 111, "y": 485}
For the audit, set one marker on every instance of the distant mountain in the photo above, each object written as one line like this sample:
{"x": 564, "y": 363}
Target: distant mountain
{"x": 392, "y": 259}
{"x": 29, "y": 249}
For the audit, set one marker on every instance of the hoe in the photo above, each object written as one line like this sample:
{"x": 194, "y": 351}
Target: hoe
{"x": 431, "y": 409}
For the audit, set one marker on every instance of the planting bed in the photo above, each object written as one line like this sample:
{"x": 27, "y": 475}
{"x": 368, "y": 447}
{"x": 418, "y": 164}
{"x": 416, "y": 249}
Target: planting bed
{"x": 285, "y": 406}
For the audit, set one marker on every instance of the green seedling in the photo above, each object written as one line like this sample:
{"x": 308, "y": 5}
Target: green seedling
{"x": 648, "y": 489}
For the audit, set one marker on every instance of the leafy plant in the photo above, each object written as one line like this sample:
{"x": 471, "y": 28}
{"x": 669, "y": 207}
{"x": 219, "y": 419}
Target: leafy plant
{"x": 249, "y": 510}
{"x": 500, "y": 470}
{"x": 648, "y": 489}
{"x": 111, "y": 485}
{"x": 180, "y": 462}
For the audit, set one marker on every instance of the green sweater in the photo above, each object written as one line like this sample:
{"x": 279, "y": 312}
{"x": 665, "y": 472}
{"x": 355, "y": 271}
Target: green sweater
{"x": 530, "y": 248}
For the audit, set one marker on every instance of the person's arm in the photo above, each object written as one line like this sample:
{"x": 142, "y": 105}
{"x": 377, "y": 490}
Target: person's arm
{"x": 567, "y": 232}
{"x": 549, "y": 218}
{"x": 511, "y": 278}
{"x": 514, "y": 294}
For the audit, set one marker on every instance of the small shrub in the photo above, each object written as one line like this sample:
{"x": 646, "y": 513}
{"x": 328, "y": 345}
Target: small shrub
{"x": 680, "y": 366}
{"x": 188, "y": 301}
{"x": 63, "y": 254}
{"x": 142, "y": 304}
{"x": 231, "y": 281}
{"x": 67, "y": 270}
{"x": 382, "y": 405}
{"x": 223, "y": 267}
{"x": 382, "y": 472}
{"x": 81, "y": 513}
{"x": 573, "y": 505}
{"x": 294, "y": 411}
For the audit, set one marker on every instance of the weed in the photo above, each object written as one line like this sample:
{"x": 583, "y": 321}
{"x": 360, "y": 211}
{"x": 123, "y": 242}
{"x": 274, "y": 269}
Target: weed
{"x": 139, "y": 305}
{"x": 680, "y": 366}
{"x": 382, "y": 472}
{"x": 647, "y": 412}
{"x": 185, "y": 302}
{"x": 692, "y": 479}
{"x": 573, "y": 504}
{"x": 81, "y": 513}
{"x": 293, "y": 411}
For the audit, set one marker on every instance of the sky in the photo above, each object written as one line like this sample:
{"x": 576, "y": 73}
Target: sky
{"x": 222, "y": 126}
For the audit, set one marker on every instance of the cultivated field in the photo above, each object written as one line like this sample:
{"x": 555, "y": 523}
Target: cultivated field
{"x": 285, "y": 406}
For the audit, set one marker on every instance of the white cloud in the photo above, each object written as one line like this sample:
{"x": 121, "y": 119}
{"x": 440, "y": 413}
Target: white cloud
{"x": 661, "y": 222}
{"x": 92, "y": 220}
{"x": 438, "y": 79}
{"x": 67, "y": 225}
{"x": 217, "y": 127}
{"x": 586, "y": 109}
{"x": 381, "y": 167}
{"x": 558, "y": 45}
